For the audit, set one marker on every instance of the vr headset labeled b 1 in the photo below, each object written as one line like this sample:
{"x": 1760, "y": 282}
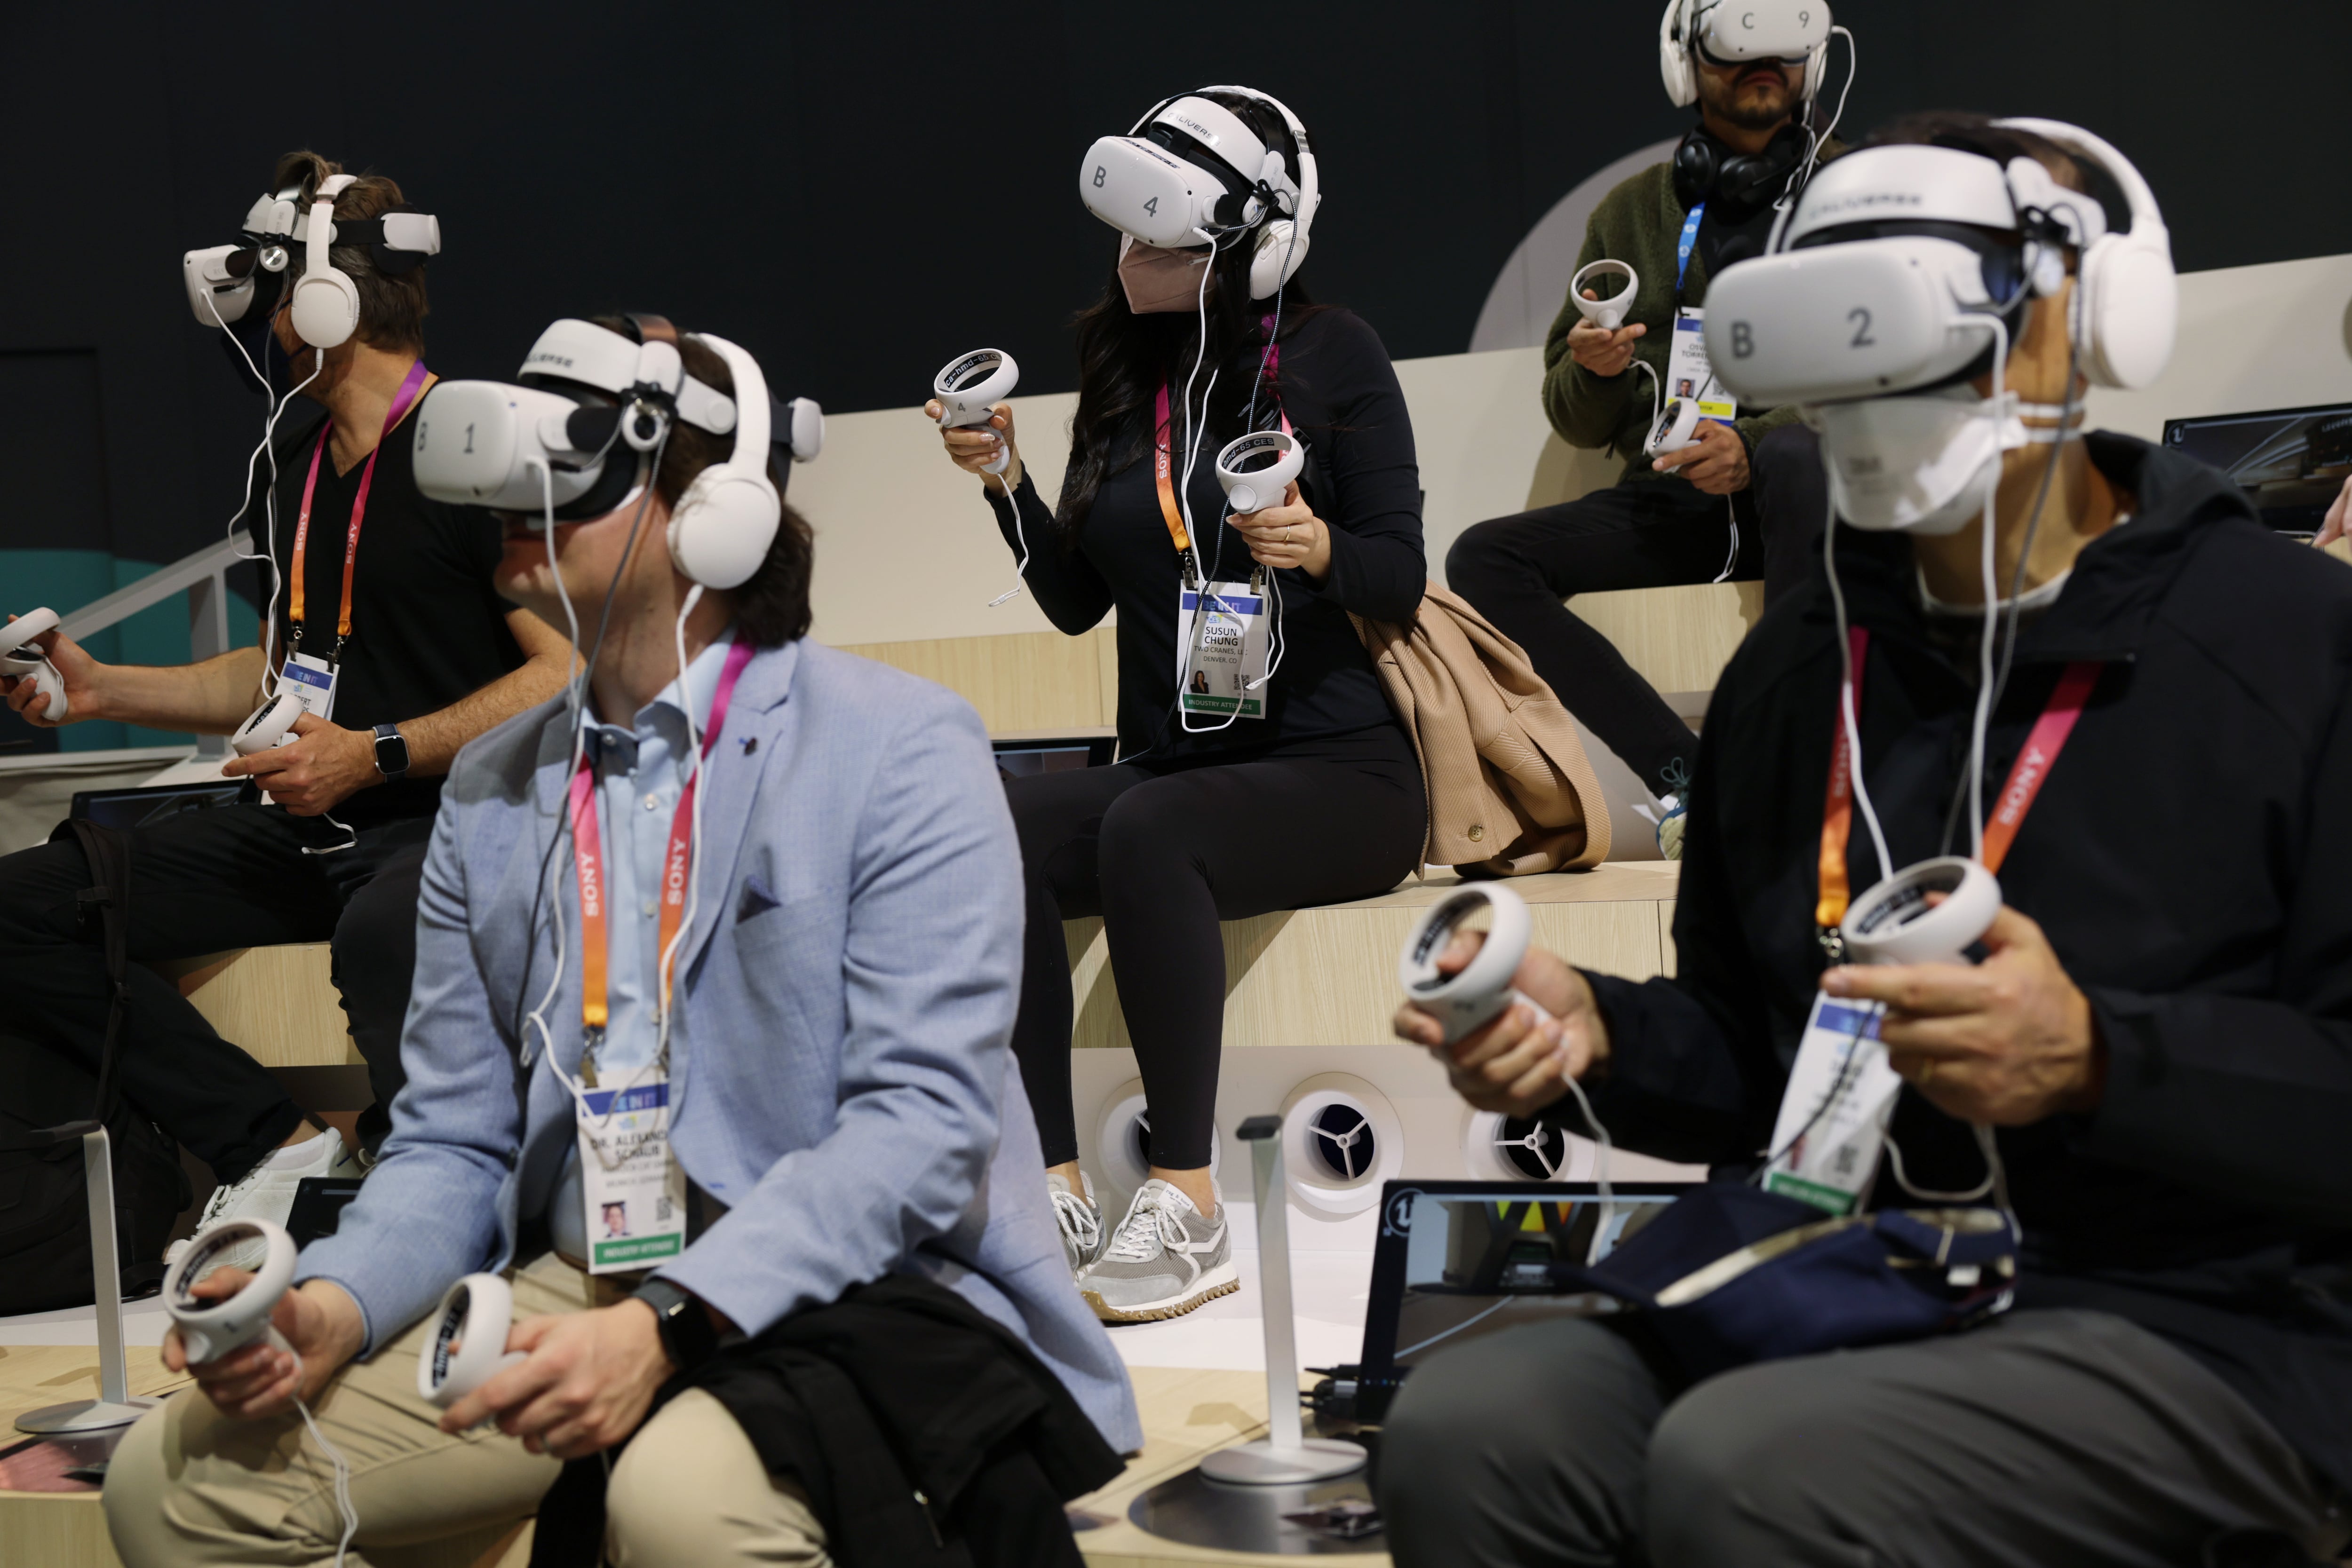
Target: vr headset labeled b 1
{"x": 579, "y": 435}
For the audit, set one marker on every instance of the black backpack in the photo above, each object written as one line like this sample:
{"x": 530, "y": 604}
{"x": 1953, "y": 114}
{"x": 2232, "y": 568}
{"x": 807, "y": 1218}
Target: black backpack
{"x": 45, "y": 1256}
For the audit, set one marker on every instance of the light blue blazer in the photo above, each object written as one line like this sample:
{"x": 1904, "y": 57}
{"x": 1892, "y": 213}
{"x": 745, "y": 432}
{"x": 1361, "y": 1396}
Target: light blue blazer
{"x": 840, "y": 1074}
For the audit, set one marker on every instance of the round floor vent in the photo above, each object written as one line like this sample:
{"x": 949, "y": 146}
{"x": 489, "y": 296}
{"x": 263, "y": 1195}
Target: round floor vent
{"x": 1340, "y": 1140}
{"x": 1515, "y": 1148}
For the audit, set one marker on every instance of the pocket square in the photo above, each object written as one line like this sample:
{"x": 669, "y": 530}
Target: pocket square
{"x": 756, "y": 900}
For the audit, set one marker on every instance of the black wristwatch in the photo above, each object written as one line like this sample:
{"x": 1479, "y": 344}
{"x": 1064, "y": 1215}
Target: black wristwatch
{"x": 391, "y": 752}
{"x": 687, "y": 1332}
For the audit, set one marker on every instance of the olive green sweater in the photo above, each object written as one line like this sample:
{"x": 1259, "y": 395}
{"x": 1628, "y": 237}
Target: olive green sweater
{"x": 1639, "y": 223}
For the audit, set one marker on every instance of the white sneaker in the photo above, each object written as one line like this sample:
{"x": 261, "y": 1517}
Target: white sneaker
{"x": 267, "y": 1192}
{"x": 1166, "y": 1259}
{"x": 1080, "y": 1219}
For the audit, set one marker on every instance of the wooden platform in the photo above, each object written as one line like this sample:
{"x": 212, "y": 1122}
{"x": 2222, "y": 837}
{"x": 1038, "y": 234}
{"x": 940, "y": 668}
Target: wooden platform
{"x": 279, "y": 1004}
{"x": 1328, "y": 976}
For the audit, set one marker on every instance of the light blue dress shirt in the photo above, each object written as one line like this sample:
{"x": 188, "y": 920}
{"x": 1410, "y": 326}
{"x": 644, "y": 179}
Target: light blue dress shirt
{"x": 640, "y": 774}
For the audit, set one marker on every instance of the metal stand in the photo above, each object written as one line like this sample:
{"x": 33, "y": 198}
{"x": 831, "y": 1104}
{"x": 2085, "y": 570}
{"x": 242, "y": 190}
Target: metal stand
{"x": 1285, "y": 1457}
{"x": 114, "y": 1407}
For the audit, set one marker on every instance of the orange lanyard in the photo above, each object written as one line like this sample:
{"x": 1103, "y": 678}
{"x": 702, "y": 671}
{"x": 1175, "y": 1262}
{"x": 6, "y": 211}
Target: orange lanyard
{"x": 587, "y": 855}
{"x": 1163, "y": 475}
{"x": 403, "y": 399}
{"x": 2026, "y": 776}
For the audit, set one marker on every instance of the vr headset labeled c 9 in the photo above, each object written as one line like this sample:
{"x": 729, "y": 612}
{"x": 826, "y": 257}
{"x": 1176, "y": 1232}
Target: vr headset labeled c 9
{"x": 582, "y": 427}
{"x": 1882, "y": 278}
{"x": 220, "y": 279}
{"x": 1793, "y": 32}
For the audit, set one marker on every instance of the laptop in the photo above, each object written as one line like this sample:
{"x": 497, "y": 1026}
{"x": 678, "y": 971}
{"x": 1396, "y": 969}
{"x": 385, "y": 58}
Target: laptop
{"x": 2291, "y": 462}
{"x": 1051, "y": 753}
{"x": 128, "y": 809}
{"x": 1457, "y": 1259}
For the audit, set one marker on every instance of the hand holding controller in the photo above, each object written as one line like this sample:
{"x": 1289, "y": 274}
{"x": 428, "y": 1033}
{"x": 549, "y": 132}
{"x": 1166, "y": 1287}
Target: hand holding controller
{"x": 969, "y": 389}
{"x": 212, "y": 1328}
{"x": 19, "y": 658}
{"x": 269, "y": 725}
{"x": 1249, "y": 490}
{"x": 1675, "y": 427}
{"x": 468, "y": 1346}
{"x": 1607, "y": 314}
{"x": 1482, "y": 990}
{"x": 1898, "y": 921}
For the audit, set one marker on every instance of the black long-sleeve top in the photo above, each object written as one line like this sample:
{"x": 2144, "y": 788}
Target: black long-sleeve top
{"x": 1341, "y": 394}
{"x": 2189, "y": 859}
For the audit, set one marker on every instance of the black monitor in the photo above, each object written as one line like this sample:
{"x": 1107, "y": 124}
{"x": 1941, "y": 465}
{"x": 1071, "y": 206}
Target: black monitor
{"x": 2291, "y": 462}
{"x": 1052, "y": 754}
{"x": 1458, "y": 1259}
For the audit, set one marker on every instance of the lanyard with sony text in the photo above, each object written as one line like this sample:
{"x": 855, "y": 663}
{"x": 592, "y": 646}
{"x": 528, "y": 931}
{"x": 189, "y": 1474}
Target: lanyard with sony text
{"x": 411, "y": 388}
{"x": 2026, "y": 776}
{"x": 676, "y": 862}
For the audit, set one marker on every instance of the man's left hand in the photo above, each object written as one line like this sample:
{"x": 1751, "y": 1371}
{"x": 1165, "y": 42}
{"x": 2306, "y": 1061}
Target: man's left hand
{"x": 2005, "y": 1042}
{"x": 1287, "y": 535}
{"x": 1716, "y": 461}
{"x": 316, "y": 771}
{"x": 590, "y": 1379}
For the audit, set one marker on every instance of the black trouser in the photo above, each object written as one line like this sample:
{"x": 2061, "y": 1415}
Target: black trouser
{"x": 200, "y": 883}
{"x": 1162, "y": 852}
{"x": 2060, "y": 1440}
{"x": 1516, "y": 570}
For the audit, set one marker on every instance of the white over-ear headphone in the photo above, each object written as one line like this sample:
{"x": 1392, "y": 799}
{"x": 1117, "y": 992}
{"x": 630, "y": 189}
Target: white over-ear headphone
{"x": 1679, "y": 41}
{"x": 721, "y": 529}
{"x": 2129, "y": 309}
{"x": 326, "y": 304}
{"x": 1282, "y": 242}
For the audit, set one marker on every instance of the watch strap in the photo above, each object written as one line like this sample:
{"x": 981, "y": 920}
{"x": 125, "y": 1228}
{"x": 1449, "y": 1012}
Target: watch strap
{"x": 391, "y": 732}
{"x": 687, "y": 1334}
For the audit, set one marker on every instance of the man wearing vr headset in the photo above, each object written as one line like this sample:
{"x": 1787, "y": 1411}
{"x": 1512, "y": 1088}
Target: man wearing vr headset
{"x": 2155, "y": 1047}
{"x": 809, "y": 960}
{"x": 1732, "y": 502}
{"x": 397, "y": 620}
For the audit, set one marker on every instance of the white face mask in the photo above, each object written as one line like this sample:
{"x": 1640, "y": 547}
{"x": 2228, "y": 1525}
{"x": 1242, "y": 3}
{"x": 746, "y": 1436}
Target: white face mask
{"x": 1923, "y": 464}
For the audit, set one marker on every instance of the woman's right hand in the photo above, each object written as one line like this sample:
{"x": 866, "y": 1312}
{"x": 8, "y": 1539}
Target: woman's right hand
{"x": 319, "y": 1319}
{"x": 971, "y": 446}
{"x": 79, "y": 672}
{"x": 1600, "y": 351}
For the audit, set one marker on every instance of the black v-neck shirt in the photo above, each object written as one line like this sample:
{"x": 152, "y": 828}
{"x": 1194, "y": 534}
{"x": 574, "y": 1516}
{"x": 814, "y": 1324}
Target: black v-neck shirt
{"x": 1341, "y": 395}
{"x": 427, "y": 628}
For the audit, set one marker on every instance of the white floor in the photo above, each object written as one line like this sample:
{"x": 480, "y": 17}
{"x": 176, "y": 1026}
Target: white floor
{"x": 1328, "y": 1294}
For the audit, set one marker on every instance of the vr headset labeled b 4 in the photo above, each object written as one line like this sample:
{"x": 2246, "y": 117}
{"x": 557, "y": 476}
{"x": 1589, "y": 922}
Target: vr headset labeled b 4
{"x": 582, "y": 427}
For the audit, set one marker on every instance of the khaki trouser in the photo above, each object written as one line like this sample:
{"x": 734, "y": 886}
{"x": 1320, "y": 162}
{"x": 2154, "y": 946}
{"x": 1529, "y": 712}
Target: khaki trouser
{"x": 190, "y": 1486}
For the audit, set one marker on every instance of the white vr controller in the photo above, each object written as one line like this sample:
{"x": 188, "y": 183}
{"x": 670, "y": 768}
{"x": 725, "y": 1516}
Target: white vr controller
{"x": 470, "y": 1340}
{"x": 210, "y": 1330}
{"x": 268, "y": 726}
{"x": 1675, "y": 427}
{"x": 1895, "y": 923}
{"x": 1483, "y": 989}
{"x": 1606, "y": 314}
{"x": 1255, "y": 489}
{"x": 18, "y": 657}
{"x": 969, "y": 388}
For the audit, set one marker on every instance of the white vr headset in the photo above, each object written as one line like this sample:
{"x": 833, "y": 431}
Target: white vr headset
{"x": 579, "y": 435}
{"x": 220, "y": 280}
{"x": 1882, "y": 279}
{"x": 1737, "y": 32}
{"x": 1191, "y": 171}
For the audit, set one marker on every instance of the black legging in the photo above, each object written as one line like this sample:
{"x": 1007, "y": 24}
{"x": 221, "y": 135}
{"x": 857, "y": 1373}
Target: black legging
{"x": 1516, "y": 571}
{"x": 1162, "y": 852}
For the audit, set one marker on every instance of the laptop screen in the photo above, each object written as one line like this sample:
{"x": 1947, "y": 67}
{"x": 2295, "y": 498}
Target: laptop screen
{"x": 2291, "y": 462}
{"x": 1051, "y": 753}
{"x": 129, "y": 809}
{"x": 1458, "y": 1259}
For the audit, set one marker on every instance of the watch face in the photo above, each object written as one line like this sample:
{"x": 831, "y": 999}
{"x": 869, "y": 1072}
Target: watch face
{"x": 392, "y": 754}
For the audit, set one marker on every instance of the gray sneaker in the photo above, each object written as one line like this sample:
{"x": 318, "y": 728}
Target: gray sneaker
{"x": 1165, "y": 1261}
{"x": 1080, "y": 1219}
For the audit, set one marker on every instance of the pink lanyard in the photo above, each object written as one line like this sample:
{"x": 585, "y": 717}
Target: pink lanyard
{"x": 402, "y": 401}
{"x": 588, "y": 859}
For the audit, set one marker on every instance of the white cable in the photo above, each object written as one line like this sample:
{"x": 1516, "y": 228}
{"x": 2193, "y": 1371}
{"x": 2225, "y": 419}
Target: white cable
{"x": 269, "y": 497}
{"x": 1731, "y": 557}
{"x": 693, "y": 833}
{"x": 1603, "y": 1151}
{"x": 334, "y": 1456}
{"x": 1991, "y": 595}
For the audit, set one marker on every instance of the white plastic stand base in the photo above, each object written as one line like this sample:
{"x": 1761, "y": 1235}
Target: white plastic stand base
{"x": 1261, "y": 1464}
{"x": 85, "y": 1416}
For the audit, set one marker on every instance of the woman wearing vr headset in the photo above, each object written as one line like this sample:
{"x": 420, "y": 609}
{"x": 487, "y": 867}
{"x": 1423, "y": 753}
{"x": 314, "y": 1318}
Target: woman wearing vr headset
{"x": 764, "y": 891}
{"x": 2148, "y": 697}
{"x": 1291, "y": 783}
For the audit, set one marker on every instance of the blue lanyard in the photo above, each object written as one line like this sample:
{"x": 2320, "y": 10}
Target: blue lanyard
{"x": 1683, "y": 251}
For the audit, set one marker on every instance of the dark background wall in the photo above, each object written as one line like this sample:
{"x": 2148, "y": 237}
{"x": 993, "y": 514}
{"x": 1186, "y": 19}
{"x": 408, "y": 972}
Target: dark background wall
{"x": 856, "y": 192}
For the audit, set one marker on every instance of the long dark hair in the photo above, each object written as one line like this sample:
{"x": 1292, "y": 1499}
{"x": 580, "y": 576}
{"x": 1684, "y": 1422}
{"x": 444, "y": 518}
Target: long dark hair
{"x": 1123, "y": 358}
